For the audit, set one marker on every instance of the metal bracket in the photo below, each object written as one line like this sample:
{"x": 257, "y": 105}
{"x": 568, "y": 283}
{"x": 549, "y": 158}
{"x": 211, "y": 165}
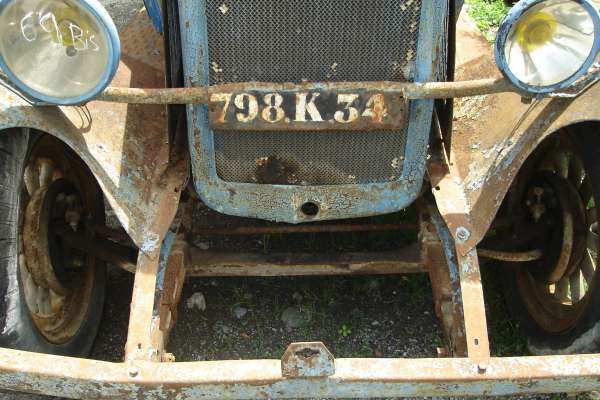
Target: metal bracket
{"x": 156, "y": 292}
{"x": 464, "y": 304}
{"x": 307, "y": 360}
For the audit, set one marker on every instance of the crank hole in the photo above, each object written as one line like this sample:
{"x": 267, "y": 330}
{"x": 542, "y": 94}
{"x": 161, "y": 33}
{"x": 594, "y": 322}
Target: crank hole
{"x": 310, "y": 209}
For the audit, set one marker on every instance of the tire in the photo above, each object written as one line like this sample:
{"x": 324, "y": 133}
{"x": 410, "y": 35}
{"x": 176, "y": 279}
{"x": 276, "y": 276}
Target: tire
{"x": 576, "y": 327}
{"x": 17, "y": 327}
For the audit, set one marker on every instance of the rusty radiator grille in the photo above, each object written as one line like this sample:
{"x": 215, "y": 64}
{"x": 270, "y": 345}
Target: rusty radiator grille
{"x": 324, "y": 40}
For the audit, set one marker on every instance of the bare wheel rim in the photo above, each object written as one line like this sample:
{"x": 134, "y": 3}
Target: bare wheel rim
{"x": 56, "y": 281}
{"x": 556, "y": 290}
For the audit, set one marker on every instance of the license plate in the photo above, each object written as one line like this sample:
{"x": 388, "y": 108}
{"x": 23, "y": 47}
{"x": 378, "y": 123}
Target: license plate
{"x": 307, "y": 110}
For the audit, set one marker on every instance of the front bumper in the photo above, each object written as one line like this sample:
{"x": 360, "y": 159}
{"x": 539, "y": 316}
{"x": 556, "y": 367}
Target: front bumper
{"x": 353, "y": 377}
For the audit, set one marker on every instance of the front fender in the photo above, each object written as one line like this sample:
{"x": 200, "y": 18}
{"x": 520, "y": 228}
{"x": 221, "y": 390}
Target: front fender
{"x": 492, "y": 137}
{"x": 125, "y": 146}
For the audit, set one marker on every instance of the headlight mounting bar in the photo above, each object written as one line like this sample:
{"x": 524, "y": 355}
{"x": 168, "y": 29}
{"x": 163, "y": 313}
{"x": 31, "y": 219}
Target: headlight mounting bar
{"x": 409, "y": 90}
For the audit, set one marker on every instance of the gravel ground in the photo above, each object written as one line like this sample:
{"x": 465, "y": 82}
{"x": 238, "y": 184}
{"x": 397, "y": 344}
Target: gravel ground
{"x": 253, "y": 318}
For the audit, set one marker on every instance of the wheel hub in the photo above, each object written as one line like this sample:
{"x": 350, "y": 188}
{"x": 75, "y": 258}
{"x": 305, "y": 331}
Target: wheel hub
{"x": 554, "y": 202}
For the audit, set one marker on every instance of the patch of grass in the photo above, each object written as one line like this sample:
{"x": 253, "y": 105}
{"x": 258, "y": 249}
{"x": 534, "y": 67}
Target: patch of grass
{"x": 344, "y": 331}
{"x": 487, "y": 14}
{"x": 506, "y": 339}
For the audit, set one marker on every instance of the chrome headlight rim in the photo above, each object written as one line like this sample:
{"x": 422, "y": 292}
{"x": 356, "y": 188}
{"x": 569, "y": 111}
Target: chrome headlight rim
{"x": 103, "y": 18}
{"x": 513, "y": 16}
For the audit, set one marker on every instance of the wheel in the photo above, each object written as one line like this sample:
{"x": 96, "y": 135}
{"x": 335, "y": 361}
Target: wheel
{"x": 557, "y": 297}
{"x": 51, "y": 294}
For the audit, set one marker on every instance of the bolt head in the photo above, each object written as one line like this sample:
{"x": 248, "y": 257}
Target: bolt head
{"x": 462, "y": 234}
{"x": 482, "y": 367}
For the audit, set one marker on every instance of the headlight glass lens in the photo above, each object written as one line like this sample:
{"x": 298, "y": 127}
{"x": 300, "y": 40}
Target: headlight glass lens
{"x": 56, "y": 51}
{"x": 550, "y": 42}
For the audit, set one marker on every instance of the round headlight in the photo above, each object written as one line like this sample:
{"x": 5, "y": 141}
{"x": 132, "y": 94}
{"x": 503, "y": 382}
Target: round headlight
{"x": 58, "y": 51}
{"x": 545, "y": 45}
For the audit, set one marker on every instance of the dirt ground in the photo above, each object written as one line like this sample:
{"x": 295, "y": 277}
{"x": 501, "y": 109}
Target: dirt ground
{"x": 249, "y": 318}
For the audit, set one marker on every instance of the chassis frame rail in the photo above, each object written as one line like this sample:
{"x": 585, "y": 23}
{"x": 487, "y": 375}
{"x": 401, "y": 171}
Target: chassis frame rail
{"x": 305, "y": 369}
{"x": 78, "y": 378}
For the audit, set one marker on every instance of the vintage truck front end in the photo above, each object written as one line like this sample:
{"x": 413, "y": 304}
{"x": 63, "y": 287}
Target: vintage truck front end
{"x": 297, "y": 114}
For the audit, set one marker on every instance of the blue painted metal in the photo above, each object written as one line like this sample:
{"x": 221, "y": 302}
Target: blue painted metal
{"x": 101, "y": 15}
{"x": 511, "y": 19}
{"x": 449, "y": 247}
{"x": 283, "y": 202}
{"x": 163, "y": 262}
{"x": 154, "y": 10}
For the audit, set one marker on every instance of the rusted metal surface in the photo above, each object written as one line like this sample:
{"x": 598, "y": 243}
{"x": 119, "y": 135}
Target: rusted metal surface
{"x": 125, "y": 146}
{"x": 407, "y": 90}
{"x": 106, "y": 250}
{"x": 307, "y": 360}
{"x": 156, "y": 292}
{"x": 511, "y": 256}
{"x": 144, "y": 341}
{"x": 279, "y": 229}
{"x": 473, "y": 306}
{"x": 204, "y": 263}
{"x": 57, "y": 283}
{"x": 458, "y": 292}
{"x": 353, "y": 378}
{"x": 493, "y": 135}
{"x": 440, "y": 261}
{"x": 211, "y": 263}
{"x": 154, "y": 95}
{"x": 170, "y": 293}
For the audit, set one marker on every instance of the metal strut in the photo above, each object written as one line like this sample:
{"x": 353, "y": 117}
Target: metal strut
{"x": 458, "y": 292}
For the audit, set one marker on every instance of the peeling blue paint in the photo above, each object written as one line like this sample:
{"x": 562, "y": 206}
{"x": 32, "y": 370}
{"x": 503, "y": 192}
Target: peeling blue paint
{"x": 154, "y": 11}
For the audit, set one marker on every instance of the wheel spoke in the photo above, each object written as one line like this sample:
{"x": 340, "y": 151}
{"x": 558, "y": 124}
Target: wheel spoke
{"x": 592, "y": 241}
{"x": 46, "y": 171}
{"x": 44, "y": 301}
{"x": 591, "y": 216}
{"x": 576, "y": 172}
{"x": 561, "y": 163}
{"x": 56, "y": 301}
{"x": 588, "y": 267}
{"x": 561, "y": 291}
{"x": 31, "y": 179}
{"x": 588, "y": 264}
{"x": 585, "y": 191}
{"x": 577, "y": 286}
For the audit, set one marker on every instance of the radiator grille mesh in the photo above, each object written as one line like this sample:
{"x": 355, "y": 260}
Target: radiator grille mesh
{"x": 325, "y": 40}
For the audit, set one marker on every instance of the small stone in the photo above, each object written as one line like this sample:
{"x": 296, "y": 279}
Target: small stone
{"x": 375, "y": 323}
{"x": 203, "y": 246}
{"x": 196, "y": 301}
{"x": 239, "y": 311}
{"x": 295, "y": 317}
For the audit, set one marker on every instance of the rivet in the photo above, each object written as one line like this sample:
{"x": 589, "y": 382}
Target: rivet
{"x": 462, "y": 234}
{"x": 482, "y": 367}
{"x": 133, "y": 372}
